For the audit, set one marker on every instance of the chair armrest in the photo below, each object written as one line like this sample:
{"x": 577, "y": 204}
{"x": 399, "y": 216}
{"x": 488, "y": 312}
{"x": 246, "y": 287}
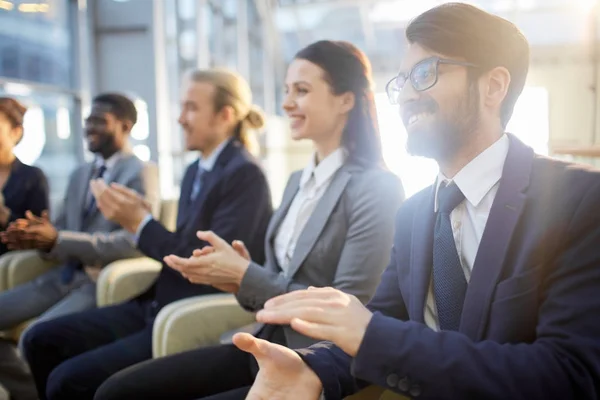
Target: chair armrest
{"x": 195, "y": 322}
{"x": 17, "y": 267}
{"x": 124, "y": 279}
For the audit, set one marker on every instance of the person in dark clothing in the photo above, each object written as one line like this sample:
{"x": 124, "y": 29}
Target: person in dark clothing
{"x": 225, "y": 191}
{"x": 23, "y": 187}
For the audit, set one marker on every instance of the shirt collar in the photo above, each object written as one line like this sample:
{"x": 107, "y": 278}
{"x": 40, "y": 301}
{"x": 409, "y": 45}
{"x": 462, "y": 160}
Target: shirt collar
{"x": 208, "y": 163}
{"x": 480, "y": 175}
{"x": 324, "y": 170}
{"x": 110, "y": 162}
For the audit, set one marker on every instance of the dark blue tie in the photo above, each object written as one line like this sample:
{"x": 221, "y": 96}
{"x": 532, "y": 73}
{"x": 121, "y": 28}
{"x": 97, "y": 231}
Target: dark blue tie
{"x": 197, "y": 185}
{"x": 449, "y": 282}
{"x": 92, "y": 202}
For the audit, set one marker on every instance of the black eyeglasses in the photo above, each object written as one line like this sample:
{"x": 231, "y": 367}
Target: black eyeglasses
{"x": 422, "y": 76}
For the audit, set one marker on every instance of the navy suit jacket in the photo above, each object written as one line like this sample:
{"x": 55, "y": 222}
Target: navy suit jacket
{"x": 530, "y": 326}
{"x": 26, "y": 189}
{"x": 234, "y": 202}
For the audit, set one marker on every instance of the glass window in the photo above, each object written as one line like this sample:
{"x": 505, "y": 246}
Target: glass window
{"x": 530, "y": 121}
{"x": 35, "y": 42}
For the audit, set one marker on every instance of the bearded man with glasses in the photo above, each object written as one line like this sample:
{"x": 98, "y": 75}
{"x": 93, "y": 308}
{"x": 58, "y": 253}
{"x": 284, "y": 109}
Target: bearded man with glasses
{"x": 492, "y": 287}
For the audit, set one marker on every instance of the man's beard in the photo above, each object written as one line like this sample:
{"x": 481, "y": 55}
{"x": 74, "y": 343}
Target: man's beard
{"x": 444, "y": 134}
{"x": 106, "y": 145}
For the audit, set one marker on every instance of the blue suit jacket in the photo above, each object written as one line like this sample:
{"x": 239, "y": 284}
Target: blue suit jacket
{"x": 234, "y": 203}
{"x": 25, "y": 190}
{"x": 530, "y": 326}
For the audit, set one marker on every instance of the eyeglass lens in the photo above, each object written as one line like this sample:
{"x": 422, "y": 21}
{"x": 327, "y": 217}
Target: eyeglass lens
{"x": 422, "y": 77}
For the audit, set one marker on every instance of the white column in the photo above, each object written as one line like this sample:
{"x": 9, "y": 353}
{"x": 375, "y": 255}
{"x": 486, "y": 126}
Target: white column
{"x": 163, "y": 108}
{"x": 84, "y": 54}
{"x": 243, "y": 54}
{"x": 269, "y": 72}
{"x": 202, "y": 28}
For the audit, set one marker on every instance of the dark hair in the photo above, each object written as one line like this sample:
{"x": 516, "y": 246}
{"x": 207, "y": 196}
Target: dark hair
{"x": 466, "y": 32}
{"x": 120, "y": 106}
{"x": 14, "y": 112}
{"x": 347, "y": 69}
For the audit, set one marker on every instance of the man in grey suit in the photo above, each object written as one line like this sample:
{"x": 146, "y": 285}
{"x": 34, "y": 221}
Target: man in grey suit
{"x": 81, "y": 239}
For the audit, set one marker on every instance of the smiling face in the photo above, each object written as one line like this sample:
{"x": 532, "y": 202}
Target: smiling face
{"x": 315, "y": 112}
{"x": 204, "y": 127}
{"x": 105, "y": 133}
{"x": 443, "y": 118}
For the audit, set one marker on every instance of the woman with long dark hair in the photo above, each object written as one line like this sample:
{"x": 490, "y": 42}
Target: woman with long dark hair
{"x": 332, "y": 228}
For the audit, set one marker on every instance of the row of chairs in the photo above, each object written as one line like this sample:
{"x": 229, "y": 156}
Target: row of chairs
{"x": 180, "y": 326}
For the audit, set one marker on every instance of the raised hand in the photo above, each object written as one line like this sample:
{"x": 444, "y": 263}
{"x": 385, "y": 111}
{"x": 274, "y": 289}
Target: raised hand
{"x": 120, "y": 204}
{"x": 13, "y": 235}
{"x": 241, "y": 249}
{"x": 320, "y": 313}
{"x": 282, "y": 375}
{"x": 218, "y": 264}
{"x": 237, "y": 245}
{"x": 40, "y": 231}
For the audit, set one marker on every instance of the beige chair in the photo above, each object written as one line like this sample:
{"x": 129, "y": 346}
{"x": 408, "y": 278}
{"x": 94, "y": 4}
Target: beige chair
{"x": 123, "y": 280}
{"x": 200, "y": 321}
{"x": 17, "y": 267}
{"x": 118, "y": 281}
{"x": 177, "y": 326}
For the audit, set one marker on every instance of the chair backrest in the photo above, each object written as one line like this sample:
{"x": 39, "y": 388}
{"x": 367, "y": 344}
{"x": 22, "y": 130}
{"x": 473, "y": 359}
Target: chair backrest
{"x": 168, "y": 213}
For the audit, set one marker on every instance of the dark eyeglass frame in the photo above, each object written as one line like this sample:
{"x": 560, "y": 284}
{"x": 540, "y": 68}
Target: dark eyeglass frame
{"x": 436, "y": 60}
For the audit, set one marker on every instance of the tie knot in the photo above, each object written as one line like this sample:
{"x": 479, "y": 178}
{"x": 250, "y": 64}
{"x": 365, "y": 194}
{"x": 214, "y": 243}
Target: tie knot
{"x": 449, "y": 196}
{"x": 101, "y": 170}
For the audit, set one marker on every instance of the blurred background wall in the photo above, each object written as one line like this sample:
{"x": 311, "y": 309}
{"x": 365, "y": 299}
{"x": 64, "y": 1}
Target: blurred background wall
{"x": 56, "y": 55}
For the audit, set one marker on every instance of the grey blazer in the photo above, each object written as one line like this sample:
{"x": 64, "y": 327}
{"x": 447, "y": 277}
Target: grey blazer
{"x": 345, "y": 243}
{"x": 95, "y": 241}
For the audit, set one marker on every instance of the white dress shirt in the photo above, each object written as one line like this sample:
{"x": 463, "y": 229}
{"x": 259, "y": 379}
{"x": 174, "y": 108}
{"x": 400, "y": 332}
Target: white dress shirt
{"x": 208, "y": 163}
{"x": 314, "y": 182}
{"x": 478, "y": 181}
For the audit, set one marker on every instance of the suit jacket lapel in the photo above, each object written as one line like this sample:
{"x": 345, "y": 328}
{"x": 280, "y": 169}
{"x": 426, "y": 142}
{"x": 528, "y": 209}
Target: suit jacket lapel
{"x": 81, "y": 194}
{"x": 209, "y": 180}
{"x": 421, "y": 256}
{"x": 504, "y": 215}
{"x": 111, "y": 176}
{"x": 313, "y": 228}
{"x": 184, "y": 195}
{"x": 288, "y": 196}
{"x": 118, "y": 168}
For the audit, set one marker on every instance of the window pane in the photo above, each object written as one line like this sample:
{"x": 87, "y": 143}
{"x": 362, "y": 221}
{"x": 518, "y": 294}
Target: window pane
{"x": 35, "y": 42}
